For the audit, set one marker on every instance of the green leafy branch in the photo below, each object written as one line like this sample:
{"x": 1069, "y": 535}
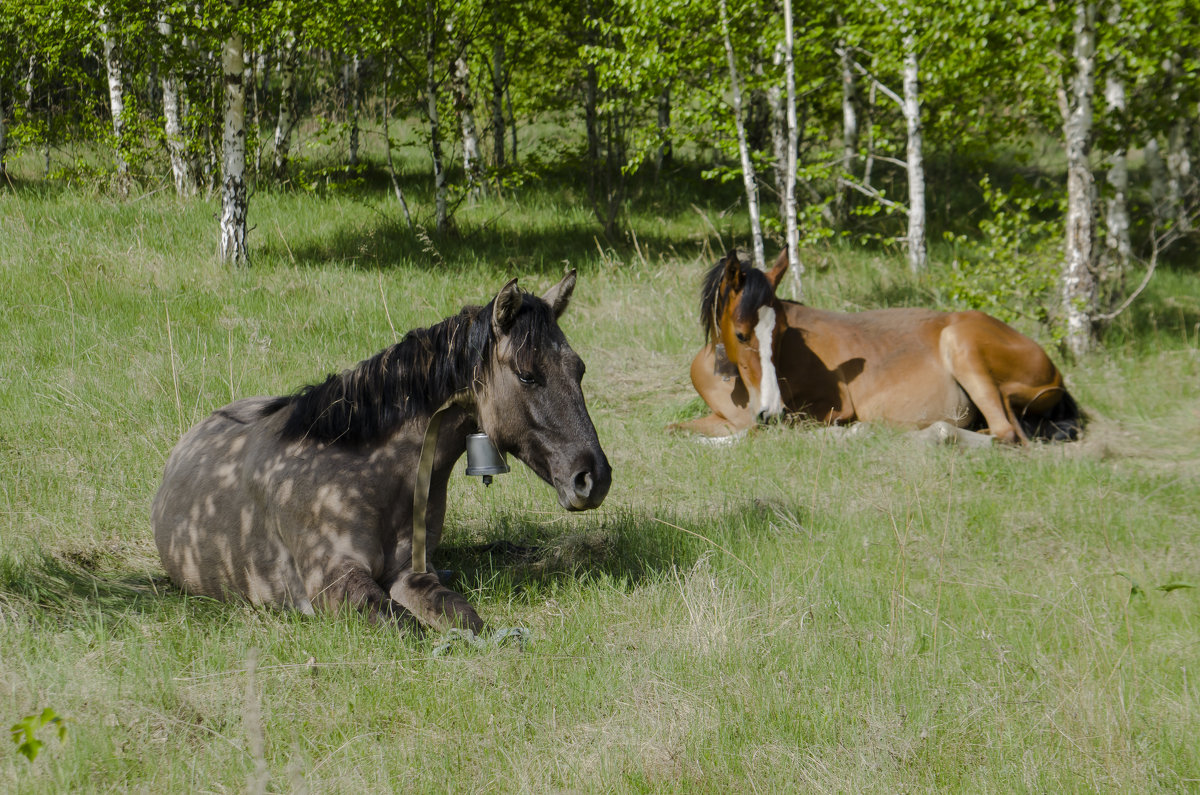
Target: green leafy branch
{"x": 25, "y": 730}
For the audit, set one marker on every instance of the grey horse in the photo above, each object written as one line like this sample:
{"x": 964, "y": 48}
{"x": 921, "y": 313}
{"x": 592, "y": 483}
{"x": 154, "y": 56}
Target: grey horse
{"x": 306, "y": 501}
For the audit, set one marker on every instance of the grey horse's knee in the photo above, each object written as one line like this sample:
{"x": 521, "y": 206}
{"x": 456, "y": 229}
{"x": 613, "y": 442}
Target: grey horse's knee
{"x": 434, "y": 604}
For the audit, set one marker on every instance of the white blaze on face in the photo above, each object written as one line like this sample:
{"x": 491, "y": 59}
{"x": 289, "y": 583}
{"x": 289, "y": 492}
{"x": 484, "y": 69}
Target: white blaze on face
{"x": 770, "y": 401}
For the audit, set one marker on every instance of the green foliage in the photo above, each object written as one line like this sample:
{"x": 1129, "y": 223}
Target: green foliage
{"x": 24, "y": 732}
{"x": 1011, "y": 270}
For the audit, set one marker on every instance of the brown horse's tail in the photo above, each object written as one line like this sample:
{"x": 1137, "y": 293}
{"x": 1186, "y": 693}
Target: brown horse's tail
{"x": 1062, "y": 423}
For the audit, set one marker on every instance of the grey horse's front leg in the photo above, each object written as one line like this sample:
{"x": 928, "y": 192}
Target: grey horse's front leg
{"x": 354, "y": 587}
{"x": 434, "y": 604}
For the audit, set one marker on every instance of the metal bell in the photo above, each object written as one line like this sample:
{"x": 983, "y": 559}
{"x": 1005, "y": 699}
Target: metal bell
{"x": 483, "y": 458}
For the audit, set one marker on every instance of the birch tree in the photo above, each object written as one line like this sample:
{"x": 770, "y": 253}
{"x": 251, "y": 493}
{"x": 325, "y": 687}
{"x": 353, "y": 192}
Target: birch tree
{"x": 114, "y": 67}
{"x": 174, "y": 93}
{"x": 1078, "y": 295}
{"x": 789, "y": 192}
{"x": 285, "y": 119}
{"x": 1116, "y": 239}
{"x": 234, "y": 200}
{"x": 907, "y": 18}
{"x": 432, "y": 90}
{"x": 749, "y": 180}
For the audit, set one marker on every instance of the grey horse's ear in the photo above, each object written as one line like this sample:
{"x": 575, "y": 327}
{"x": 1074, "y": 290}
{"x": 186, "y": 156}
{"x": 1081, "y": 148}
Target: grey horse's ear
{"x": 505, "y": 308}
{"x": 559, "y": 295}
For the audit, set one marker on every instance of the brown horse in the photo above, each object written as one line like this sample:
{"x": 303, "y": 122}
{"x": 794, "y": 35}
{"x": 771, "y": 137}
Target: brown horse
{"x": 307, "y": 501}
{"x": 908, "y": 367}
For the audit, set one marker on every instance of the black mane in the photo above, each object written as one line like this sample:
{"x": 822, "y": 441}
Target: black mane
{"x": 756, "y": 291}
{"x": 409, "y": 379}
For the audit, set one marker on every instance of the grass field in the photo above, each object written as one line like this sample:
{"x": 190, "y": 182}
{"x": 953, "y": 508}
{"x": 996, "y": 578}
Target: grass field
{"x": 788, "y": 613}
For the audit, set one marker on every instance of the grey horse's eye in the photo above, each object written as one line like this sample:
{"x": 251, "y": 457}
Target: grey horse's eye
{"x": 527, "y": 378}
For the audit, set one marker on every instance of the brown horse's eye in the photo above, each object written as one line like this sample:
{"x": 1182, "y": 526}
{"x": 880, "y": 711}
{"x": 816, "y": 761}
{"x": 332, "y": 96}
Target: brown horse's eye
{"x": 742, "y": 338}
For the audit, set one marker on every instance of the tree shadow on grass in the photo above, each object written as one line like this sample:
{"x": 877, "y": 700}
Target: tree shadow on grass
{"x": 67, "y": 589}
{"x": 630, "y": 546}
{"x": 514, "y": 553}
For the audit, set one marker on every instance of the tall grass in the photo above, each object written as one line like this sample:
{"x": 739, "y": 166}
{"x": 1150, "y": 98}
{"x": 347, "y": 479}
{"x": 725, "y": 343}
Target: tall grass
{"x": 789, "y": 613}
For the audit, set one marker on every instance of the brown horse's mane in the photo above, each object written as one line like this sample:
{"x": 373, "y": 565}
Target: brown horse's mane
{"x": 756, "y": 291}
{"x": 409, "y": 379}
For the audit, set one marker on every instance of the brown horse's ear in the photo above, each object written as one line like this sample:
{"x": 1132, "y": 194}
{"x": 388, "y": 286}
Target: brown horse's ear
{"x": 559, "y": 295}
{"x": 733, "y": 272}
{"x": 775, "y": 275}
{"x": 505, "y": 308}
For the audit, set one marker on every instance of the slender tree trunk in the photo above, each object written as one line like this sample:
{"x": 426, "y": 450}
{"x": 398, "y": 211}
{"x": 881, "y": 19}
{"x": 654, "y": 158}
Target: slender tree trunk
{"x": 591, "y": 123}
{"x": 748, "y": 177}
{"x": 185, "y": 182}
{"x": 1157, "y": 170}
{"x": 777, "y": 99}
{"x": 353, "y": 103}
{"x": 1117, "y": 212}
{"x": 793, "y": 139}
{"x": 114, "y": 65}
{"x": 665, "y": 153}
{"x": 30, "y": 82}
{"x": 916, "y": 161}
{"x": 387, "y": 142}
{"x": 512, "y": 124}
{"x": 1178, "y": 160}
{"x": 849, "y": 128}
{"x": 461, "y": 89}
{"x": 435, "y": 132}
{"x": 1078, "y": 279}
{"x": 1179, "y": 172}
{"x": 498, "y": 143}
{"x": 285, "y": 122}
{"x": 233, "y": 146}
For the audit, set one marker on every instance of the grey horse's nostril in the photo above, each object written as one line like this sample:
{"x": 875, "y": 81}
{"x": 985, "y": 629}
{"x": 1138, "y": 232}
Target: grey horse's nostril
{"x": 583, "y": 483}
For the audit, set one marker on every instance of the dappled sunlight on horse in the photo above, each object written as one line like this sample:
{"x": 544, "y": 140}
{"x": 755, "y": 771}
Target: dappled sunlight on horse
{"x": 307, "y": 501}
{"x": 954, "y": 372}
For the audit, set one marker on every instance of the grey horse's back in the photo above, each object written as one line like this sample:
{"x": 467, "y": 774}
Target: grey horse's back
{"x": 209, "y": 525}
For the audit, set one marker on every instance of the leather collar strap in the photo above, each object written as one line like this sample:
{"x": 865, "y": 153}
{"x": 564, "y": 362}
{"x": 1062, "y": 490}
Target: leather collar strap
{"x": 464, "y": 400}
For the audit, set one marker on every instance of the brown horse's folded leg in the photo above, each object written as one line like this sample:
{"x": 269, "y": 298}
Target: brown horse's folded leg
{"x": 434, "y": 604}
{"x": 354, "y": 587}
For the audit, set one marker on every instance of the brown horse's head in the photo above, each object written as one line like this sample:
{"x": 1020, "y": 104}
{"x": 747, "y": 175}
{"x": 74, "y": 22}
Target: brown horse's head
{"x": 529, "y": 397}
{"x": 739, "y": 309}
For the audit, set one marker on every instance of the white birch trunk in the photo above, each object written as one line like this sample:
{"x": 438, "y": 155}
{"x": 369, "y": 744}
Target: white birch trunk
{"x": 30, "y": 81}
{"x": 793, "y": 140}
{"x": 916, "y": 162}
{"x": 1179, "y": 173}
{"x": 466, "y": 115}
{"x": 1116, "y": 222}
{"x": 285, "y": 121}
{"x": 233, "y": 148}
{"x": 777, "y": 99}
{"x": 1157, "y": 170}
{"x": 1178, "y": 159}
{"x": 748, "y": 177}
{"x": 435, "y": 128}
{"x": 114, "y": 67}
{"x": 1078, "y": 280}
{"x": 185, "y": 182}
{"x": 849, "y": 127}
{"x": 353, "y": 95}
